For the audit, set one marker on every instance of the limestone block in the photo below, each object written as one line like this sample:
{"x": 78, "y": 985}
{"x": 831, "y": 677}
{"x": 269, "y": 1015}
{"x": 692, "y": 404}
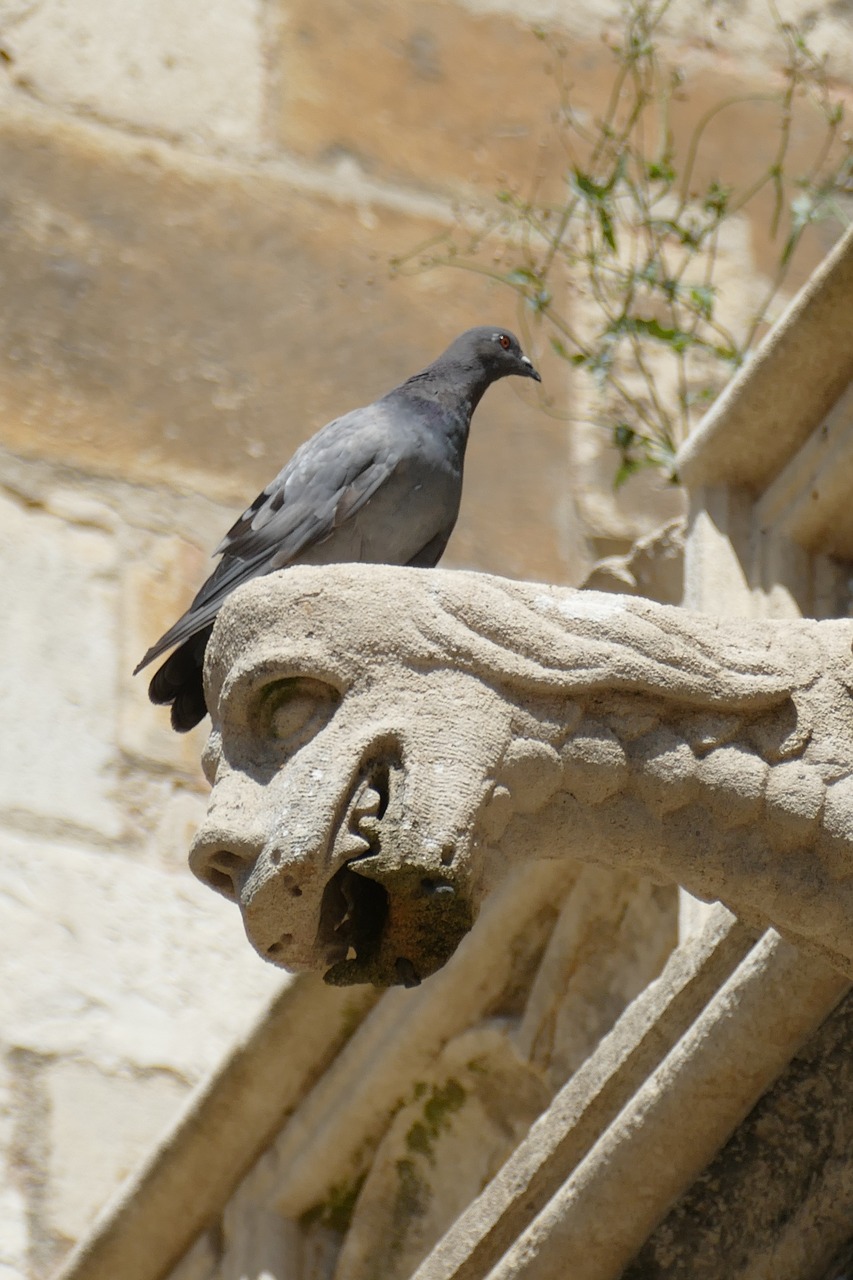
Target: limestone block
{"x": 470, "y": 88}
{"x": 100, "y": 1126}
{"x": 174, "y": 322}
{"x": 748, "y": 28}
{"x": 748, "y": 25}
{"x": 119, "y": 963}
{"x": 13, "y": 1233}
{"x": 57, "y": 697}
{"x": 189, "y": 70}
{"x": 356, "y": 78}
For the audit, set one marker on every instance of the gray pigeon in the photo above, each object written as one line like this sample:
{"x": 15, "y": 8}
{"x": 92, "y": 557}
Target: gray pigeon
{"x": 380, "y": 485}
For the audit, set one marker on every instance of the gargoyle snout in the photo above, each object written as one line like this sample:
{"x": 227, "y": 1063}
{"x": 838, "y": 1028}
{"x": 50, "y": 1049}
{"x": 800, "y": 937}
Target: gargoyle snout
{"x": 227, "y": 845}
{"x": 222, "y": 860}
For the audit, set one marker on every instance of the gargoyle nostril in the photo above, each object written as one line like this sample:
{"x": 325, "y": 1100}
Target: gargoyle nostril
{"x": 219, "y": 881}
{"x": 223, "y": 871}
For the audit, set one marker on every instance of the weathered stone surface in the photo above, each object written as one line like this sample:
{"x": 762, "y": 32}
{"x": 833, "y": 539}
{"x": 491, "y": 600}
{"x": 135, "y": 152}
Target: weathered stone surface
{"x": 366, "y": 851}
{"x": 612, "y": 939}
{"x": 177, "y": 811}
{"x": 415, "y": 72}
{"x": 676, "y": 1120}
{"x": 14, "y": 1228}
{"x": 153, "y": 973}
{"x": 589, "y": 1103}
{"x": 654, "y": 567}
{"x": 114, "y": 1119}
{"x": 745, "y": 27}
{"x": 199, "y": 1263}
{"x": 57, "y": 697}
{"x": 179, "y": 1191}
{"x": 471, "y": 89}
{"x": 182, "y": 323}
{"x": 192, "y": 70}
{"x": 326, "y": 1148}
{"x": 778, "y": 1199}
{"x": 466, "y": 1115}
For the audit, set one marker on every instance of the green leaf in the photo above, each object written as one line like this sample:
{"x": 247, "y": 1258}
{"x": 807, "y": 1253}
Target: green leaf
{"x": 678, "y": 339}
{"x": 606, "y": 223}
{"x": 802, "y": 213}
{"x": 585, "y": 186}
{"x": 688, "y": 236}
{"x": 702, "y": 297}
{"x": 717, "y": 199}
{"x": 661, "y": 171}
{"x": 539, "y": 301}
{"x": 627, "y": 468}
{"x": 560, "y": 347}
{"x": 522, "y": 275}
{"x": 704, "y": 395}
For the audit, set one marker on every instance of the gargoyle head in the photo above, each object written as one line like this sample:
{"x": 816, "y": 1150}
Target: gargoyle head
{"x": 378, "y": 732}
{"x": 344, "y": 803}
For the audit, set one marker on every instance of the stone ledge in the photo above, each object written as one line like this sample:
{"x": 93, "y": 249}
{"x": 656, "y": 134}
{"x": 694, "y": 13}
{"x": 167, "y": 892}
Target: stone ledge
{"x": 785, "y": 390}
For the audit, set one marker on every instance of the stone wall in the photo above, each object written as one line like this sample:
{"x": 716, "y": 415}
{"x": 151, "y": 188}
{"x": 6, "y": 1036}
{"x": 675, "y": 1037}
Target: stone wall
{"x": 198, "y": 206}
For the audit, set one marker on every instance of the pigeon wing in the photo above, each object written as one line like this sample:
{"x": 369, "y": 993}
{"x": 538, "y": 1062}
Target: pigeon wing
{"x": 325, "y": 483}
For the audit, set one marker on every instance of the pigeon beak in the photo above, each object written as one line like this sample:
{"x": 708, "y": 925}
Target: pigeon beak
{"x": 529, "y": 371}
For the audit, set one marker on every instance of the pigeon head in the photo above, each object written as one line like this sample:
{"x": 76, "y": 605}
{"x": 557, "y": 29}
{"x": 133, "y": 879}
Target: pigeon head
{"x": 492, "y": 351}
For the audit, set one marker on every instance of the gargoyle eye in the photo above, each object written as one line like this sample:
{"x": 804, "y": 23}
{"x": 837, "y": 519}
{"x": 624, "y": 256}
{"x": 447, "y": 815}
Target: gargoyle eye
{"x": 294, "y": 709}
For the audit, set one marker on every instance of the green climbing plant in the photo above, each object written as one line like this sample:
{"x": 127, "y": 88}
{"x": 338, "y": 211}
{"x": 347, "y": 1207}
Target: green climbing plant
{"x": 634, "y": 233}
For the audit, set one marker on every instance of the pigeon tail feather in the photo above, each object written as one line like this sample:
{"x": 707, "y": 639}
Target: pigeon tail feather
{"x": 180, "y": 682}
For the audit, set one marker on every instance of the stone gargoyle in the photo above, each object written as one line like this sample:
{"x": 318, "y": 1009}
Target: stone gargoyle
{"x": 385, "y": 742}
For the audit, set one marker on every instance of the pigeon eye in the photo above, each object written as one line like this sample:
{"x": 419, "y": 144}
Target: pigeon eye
{"x": 505, "y": 341}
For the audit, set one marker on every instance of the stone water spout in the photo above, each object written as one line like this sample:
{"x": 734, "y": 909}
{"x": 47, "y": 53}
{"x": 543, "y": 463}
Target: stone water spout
{"x": 386, "y": 742}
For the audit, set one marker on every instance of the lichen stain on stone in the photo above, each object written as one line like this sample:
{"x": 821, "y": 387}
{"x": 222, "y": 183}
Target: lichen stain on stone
{"x": 336, "y": 1211}
{"x": 442, "y": 1103}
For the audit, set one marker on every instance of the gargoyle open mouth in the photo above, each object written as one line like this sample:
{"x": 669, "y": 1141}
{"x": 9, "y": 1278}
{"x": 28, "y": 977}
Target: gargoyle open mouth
{"x": 390, "y": 917}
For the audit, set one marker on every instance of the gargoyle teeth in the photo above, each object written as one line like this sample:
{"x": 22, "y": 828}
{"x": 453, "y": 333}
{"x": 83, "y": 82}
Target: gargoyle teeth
{"x": 352, "y": 844}
{"x": 368, "y": 827}
{"x": 366, "y": 802}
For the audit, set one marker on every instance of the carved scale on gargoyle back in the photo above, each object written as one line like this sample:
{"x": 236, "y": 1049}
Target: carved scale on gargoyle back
{"x": 386, "y": 741}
